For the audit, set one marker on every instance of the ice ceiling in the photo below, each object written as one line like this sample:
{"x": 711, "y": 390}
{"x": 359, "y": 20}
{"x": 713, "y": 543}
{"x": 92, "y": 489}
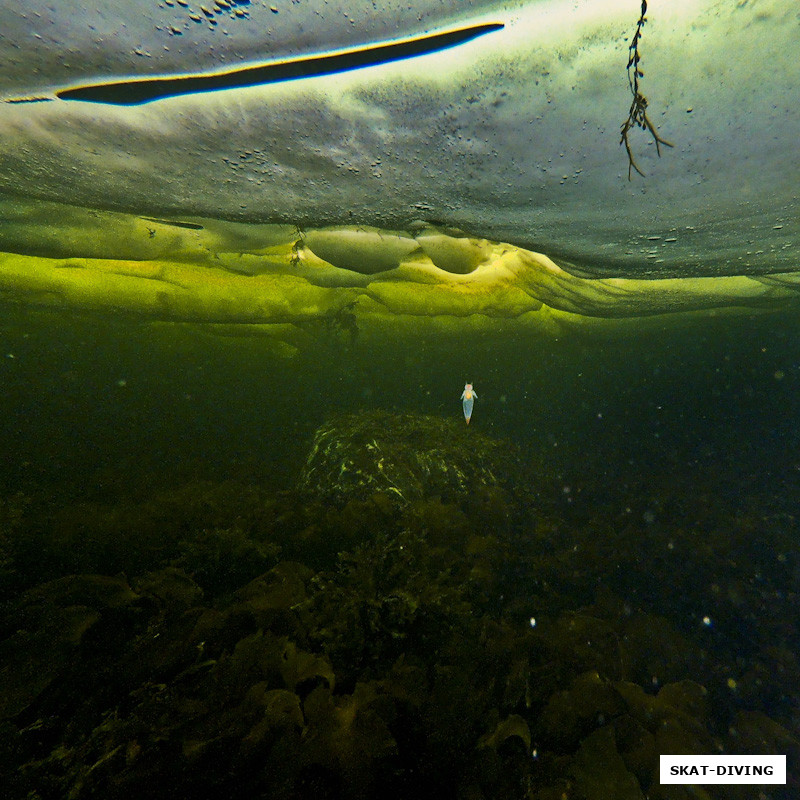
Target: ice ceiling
{"x": 394, "y": 186}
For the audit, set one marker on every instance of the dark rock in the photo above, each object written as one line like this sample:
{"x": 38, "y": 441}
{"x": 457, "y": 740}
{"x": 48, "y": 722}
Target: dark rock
{"x": 51, "y": 621}
{"x": 600, "y": 772}
{"x": 170, "y": 587}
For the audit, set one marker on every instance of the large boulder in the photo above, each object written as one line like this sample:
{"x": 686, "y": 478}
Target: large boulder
{"x": 405, "y": 456}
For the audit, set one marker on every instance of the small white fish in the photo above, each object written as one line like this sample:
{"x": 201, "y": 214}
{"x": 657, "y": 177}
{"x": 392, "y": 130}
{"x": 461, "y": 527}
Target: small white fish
{"x": 468, "y": 398}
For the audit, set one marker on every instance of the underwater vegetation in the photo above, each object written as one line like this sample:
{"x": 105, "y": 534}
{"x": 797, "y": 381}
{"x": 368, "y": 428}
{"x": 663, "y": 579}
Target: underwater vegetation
{"x": 492, "y": 639}
{"x": 637, "y": 114}
{"x": 407, "y": 456}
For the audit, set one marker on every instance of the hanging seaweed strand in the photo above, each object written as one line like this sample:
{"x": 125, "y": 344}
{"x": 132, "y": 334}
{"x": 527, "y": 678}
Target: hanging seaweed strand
{"x": 637, "y": 115}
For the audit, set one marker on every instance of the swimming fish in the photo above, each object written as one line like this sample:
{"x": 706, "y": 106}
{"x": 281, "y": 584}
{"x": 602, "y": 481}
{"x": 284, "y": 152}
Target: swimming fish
{"x": 468, "y": 397}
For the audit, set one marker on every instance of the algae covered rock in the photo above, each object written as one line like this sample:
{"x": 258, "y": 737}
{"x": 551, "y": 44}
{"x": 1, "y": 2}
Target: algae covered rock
{"x": 169, "y": 587}
{"x": 405, "y": 456}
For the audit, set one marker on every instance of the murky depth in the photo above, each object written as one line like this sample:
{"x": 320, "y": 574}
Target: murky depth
{"x": 600, "y": 568}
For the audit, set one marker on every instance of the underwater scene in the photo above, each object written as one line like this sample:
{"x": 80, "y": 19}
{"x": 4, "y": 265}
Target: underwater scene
{"x": 399, "y": 399}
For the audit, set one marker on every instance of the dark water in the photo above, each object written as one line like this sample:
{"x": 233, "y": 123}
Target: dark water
{"x": 89, "y": 400}
{"x": 649, "y": 532}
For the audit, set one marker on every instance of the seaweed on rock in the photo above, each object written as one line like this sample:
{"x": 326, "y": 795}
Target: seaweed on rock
{"x": 469, "y": 644}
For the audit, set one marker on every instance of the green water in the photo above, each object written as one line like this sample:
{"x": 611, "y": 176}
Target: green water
{"x": 629, "y": 587}
{"x": 89, "y": 398}
{"x": 249, "y": 547}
